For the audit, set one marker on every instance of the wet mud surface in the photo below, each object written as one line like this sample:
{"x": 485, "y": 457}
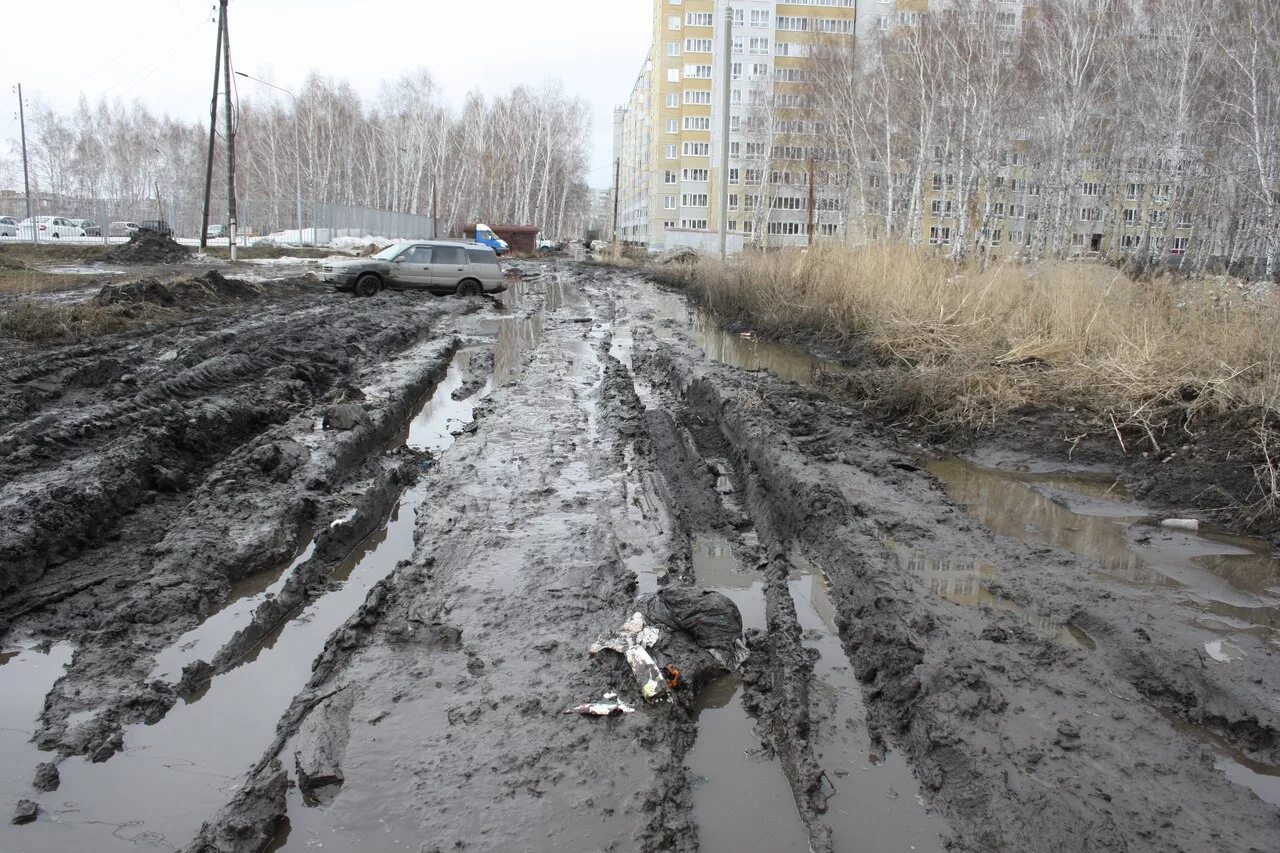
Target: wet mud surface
{"x": 297, "y": 570}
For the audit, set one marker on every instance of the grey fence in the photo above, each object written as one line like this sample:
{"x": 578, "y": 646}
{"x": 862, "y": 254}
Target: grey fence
{"x": 322, "y": 222}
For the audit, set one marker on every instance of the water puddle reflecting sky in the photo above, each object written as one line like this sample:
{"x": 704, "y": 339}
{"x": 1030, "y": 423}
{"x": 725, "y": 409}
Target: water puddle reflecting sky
{"x": 1231, "y": 584}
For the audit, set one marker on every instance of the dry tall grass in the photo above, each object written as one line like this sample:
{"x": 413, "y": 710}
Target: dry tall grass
{"x": 958, "y": 346}
{"x": 34, "y": 321}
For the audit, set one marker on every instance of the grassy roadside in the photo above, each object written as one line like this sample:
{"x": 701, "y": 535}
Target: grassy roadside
{"x": 31, "y": 321}
{"x": 955, "y": 349}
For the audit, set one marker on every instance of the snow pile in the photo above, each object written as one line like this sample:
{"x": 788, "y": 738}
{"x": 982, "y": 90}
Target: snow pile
{"x": 359, "y": 244}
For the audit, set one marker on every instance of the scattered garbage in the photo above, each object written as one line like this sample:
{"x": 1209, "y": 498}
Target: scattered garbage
{"x": 610, "y": 707}
{"x": 1191, "y": 524}
{"x": 633, "y": 641}
{"x": 679, "y": 623}
{"x": 710, "y": 618}
{"x": 1222, "y": 651}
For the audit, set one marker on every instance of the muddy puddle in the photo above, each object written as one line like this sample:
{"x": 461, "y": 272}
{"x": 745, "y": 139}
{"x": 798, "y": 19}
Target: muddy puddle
{"x": 673, "y": 313}
{"x": 874, "y": 802}
{"x": 1263, "y": 779}
{"x": 177, "y": 773}
{"x": 1229, "y": 584}
{"x": 969, "y": 582}
{"x": 741, "y": 799}
{"x": 26, "y": 675}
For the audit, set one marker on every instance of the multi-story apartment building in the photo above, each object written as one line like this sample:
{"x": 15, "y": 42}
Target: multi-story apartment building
{"x": 669, "y": 138}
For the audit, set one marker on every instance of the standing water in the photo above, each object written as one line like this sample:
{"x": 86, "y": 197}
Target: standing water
{"x": 176, "y": 774}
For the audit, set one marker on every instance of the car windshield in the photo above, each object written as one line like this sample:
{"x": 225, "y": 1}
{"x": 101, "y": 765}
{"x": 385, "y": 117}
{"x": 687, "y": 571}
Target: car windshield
{"x": 389, "y": 253}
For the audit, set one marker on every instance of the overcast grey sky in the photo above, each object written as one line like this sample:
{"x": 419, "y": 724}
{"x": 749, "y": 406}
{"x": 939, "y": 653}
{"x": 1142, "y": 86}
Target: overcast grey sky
{"x": 161, "y": 51}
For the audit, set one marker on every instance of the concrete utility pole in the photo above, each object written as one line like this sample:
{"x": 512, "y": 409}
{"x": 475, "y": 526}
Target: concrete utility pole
{"x": 26, "y": 174}
{"x": 231, "y": 130}
{"x": 617, "y": 186}
{"x": 213, "y": 134}
{"x": 726, "y": 101}
{"x": 435, "y": 205}
{"x": 297, "y": 146}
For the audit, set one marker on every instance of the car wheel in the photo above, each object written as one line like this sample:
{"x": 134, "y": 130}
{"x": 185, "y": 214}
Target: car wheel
{"x": 470, "y": 287}
{"x": 57, "y": 236}
{"x": 367, "y": 285}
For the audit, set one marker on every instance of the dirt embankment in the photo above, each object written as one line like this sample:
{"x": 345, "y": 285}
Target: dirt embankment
{"x": 148, "y": 247}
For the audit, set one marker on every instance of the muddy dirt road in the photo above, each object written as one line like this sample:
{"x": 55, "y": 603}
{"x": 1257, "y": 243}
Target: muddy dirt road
{"x": 306, "y": 571}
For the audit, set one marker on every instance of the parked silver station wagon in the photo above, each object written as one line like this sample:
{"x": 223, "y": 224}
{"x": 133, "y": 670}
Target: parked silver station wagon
{"x": 440, "y": 266}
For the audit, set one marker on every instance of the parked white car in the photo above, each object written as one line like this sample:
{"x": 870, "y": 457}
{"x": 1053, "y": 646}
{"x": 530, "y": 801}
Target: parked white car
{"x": 123, "y": 229}
{"x": 48, "y": 228}
{"x": 8, "y": 226}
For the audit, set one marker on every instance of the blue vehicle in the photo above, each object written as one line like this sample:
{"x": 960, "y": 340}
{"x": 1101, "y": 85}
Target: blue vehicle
{"x": 486, "y": 237}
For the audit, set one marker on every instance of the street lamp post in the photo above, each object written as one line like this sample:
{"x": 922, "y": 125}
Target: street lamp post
{"x": 297, "y": 148}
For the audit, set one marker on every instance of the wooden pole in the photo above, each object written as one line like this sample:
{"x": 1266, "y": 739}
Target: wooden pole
{"x": 231, "y": 130}
{"x": 213, "y": 133}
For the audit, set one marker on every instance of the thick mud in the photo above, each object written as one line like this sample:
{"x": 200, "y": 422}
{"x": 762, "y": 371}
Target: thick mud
{"x": 296, "y": 570}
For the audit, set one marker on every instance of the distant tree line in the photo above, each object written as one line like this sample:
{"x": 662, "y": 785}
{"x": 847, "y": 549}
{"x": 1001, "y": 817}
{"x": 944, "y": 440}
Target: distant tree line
{"x": 1155, "y": 123}
{"x": 519, "y": 157}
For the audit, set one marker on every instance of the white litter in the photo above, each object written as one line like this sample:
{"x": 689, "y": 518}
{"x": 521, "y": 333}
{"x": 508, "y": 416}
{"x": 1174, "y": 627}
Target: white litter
{"x": 1222, "y": 651}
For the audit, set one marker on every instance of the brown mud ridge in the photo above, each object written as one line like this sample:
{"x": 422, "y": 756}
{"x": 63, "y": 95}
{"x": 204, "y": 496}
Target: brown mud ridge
{"x": 207, "y": 290}
{"x": 313, "y": 570}
{"x": 148, "y": 247}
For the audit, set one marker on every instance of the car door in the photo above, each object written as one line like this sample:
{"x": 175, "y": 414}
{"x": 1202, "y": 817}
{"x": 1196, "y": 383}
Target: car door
{"x": 448, "y": 267}
{"x": 412, "y": 268}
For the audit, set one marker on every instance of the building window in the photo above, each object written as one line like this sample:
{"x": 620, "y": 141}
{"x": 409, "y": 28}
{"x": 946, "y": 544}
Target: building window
{"x": 673, "y": 101}
{"x": 694, "y": 224}
{"x": 1180, "y": 245}
{"x": 1092, "y": 189}
{"x": 697, "y": 19}
{"x": 669, "y": 177}
{"x": 759, "y": 18}
{"x": 671, "y": 152}
{"x": 940, "y": 235}
{"x": 693, "y": 200}
{"x": 695, "y": 96}
{"x": 997, "y": 209}
{"x": 673, "y": 125}
{"x": 698, "y": 72}
{"x": 759, "y": 45}
{"x": 793, "y": 24}
{"x": 1131, "y": 192}
{"x": 697, "y": 46}
{"x": 695, "y": 175}
{"x": 673, "y": 48}
{"x": 697, "y": 122}
{"x": 1090, "y": 214}
{"x": 668, "y": 202}
{"x": 673, "y": 75}
{"x": 673, "y": 22}
{"x": 697, "y": 149}
{"x": 733, "y": 201}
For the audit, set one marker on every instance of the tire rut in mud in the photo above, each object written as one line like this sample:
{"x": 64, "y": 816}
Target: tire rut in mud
{"x": 941, "y": 682}
{"x": 134, "y": 501}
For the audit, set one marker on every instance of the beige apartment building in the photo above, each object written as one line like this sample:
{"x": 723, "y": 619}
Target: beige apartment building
{"x": 668, "y": 136}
